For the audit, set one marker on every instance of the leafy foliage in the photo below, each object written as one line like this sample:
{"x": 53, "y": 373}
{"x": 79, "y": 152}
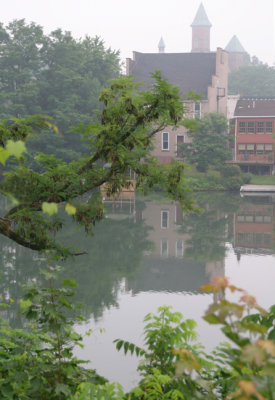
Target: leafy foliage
{"x": 209, "y": 142}
{"x": 244, "y": 369}
{"x": 54, "y": 74}
{"x": 121, "y": 138}
{"x": 38, "y": 361}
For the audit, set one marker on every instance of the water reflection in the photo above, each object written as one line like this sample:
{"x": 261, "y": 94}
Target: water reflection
{"x": 149, "y": 245}
{"x": 176, "y": 262}
{"x": 253, "y": 226}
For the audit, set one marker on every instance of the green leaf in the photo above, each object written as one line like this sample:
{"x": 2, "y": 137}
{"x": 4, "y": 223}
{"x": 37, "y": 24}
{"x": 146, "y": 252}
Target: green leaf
{"x": 61, "y": 388}
{"x": 49, "y": 208}
{"x": 71, "y": 210}
{"x": 4, "y": 154}
{"x": 16, "y": 148}
{"x": 69, "y": 282}
{"x": 119, "y": 344}
{"x": 126, "y": 347}
{"x": 24, "y": 304}
{"x": 212, "y": 319}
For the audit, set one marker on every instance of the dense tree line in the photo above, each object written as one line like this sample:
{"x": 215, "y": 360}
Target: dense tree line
{"x": 56, "y": 75}
{"x": 253, "y": 80}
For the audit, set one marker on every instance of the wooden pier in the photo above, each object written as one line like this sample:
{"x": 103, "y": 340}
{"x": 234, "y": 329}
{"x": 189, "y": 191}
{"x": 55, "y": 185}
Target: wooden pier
{"x": 257, "y": 189}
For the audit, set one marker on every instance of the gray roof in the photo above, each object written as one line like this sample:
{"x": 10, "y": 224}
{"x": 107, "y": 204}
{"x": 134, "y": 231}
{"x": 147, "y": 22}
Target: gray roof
{"x": 189, "y": 71}
{"x": 234, "y": 46}
{"x": 254, "y": 106}
{"x": 201, "y": 18}
{"x": 161, "y": 44}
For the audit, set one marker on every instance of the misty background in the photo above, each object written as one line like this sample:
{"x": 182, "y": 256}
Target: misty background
{"x": 127, "y": 25}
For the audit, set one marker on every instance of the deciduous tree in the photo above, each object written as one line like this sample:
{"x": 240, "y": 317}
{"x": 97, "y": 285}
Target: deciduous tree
{"x": 121, "y": 138}
{"x": 209, "y": 142}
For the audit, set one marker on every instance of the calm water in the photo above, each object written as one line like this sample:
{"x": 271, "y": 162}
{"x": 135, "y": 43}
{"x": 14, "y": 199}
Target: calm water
{"x": 147, "y": 253}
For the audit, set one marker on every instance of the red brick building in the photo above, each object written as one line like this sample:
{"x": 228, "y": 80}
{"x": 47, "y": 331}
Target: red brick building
{"x": 253, "y": 127}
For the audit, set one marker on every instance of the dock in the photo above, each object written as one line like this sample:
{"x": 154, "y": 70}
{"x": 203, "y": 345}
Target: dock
{"x": 257, "y": 189}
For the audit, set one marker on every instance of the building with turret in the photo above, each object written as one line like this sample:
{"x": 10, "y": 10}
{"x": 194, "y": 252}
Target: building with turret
{"x": 237, "y": 55}
{"x": 201, "y": 71}
{"x": 201, "y": 32}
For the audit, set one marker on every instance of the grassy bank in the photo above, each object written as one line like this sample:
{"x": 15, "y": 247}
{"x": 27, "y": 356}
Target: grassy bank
{"x": 263, "y": 180}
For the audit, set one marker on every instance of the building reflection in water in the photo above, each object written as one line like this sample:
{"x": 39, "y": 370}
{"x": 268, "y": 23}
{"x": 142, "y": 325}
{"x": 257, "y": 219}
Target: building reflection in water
{"x": 253, "y": 226}
{"x": 166, "y": 267}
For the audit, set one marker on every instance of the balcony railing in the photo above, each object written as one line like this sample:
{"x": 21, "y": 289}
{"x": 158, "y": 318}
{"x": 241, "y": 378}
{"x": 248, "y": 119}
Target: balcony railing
{"x": 256, "y": 158}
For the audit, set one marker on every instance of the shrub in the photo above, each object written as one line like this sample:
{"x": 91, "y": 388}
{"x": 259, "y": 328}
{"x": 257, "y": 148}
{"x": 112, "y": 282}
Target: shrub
{"x": 246, "y": 177}
{"x": 228, "y": 170}
{"x": 233, "y": 183}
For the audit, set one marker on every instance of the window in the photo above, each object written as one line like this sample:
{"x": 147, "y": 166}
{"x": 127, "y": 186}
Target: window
{"x": 196, "y": 42}
{"x": 249, "y": 238}
{"x": 164, "y": 219}
{"x": 241, "y": 126}
{"x": 250, "y": 148}
{"x": 251, "y": 127}
{"x": 241, "y": 148}
{"x": 165, "y": 140}
{"x": 179, "y": 248}
{"x": 268, "y": 148}
{"x": 258, "y": 238}
{"x": 269, "y": 126}
{"x": 260, "y": 127}
{"x": 267, "y": 238}
{"x": 240, "y": 238}
{"x": 259, "y": 148}
{"x": 197, "y": 110}
{"x": 164, "y": 248}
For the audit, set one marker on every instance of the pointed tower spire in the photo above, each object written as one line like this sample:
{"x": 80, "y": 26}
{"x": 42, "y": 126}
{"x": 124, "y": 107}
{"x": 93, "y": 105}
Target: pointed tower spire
{"x": 161, "y": 46}
{"x": 201, "y": 18}
{"x": 235, "y": 46}
{"x": 237, "y": 56}
{"x": 201, "y": 32}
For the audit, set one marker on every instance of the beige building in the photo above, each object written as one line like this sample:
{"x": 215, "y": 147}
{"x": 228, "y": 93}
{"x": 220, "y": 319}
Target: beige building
{"x": 204, "y": 73}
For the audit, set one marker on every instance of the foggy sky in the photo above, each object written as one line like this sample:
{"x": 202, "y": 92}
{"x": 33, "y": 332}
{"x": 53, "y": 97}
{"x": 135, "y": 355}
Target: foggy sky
{"x": 127, "y": 25}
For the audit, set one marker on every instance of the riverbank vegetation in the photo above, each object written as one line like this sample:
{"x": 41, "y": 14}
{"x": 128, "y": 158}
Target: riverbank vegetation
{"x": 226, "y": 178}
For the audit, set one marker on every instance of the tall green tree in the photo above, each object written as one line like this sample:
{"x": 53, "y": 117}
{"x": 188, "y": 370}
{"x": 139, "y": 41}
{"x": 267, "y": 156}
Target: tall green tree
{"x": 56, "y": 75}
{"x": 254, "y": 80}
{"x": 209, "y": 145}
